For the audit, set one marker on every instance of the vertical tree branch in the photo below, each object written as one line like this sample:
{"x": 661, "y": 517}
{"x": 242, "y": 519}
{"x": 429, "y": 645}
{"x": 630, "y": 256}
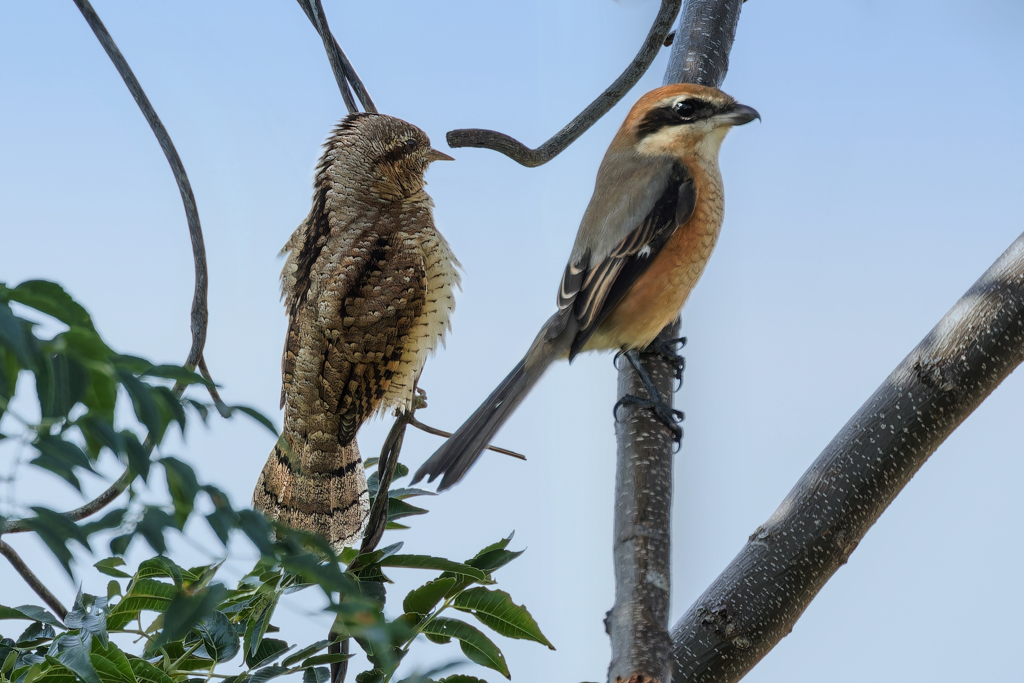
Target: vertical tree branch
{"x": 32, "y": 580}
{"x": 700, "y": 52}
{"x": 638, "y": 623}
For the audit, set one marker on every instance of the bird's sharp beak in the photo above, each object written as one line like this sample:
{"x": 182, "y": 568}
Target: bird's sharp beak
{"x": 434, "y": 155}
{"x": 738, "y": 115}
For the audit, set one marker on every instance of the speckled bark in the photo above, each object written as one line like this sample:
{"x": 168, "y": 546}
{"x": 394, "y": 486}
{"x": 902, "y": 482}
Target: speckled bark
{"x": 638, "y": 622}
{"x": 761, "y": 594}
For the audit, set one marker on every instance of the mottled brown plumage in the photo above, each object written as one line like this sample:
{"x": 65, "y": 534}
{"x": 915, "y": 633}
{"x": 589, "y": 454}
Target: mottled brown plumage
{"x": 368, "y": 290}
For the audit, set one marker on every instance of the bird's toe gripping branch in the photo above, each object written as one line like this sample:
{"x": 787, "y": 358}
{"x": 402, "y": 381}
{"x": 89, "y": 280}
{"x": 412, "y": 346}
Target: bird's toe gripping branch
{"x": 668, "y": 351}
{"x": 662, "y": 409}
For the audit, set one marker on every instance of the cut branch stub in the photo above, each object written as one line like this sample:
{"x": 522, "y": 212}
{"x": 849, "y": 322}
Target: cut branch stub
{"x": 518, "y": 152}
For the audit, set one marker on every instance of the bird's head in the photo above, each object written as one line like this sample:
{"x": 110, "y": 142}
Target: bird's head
{"x": 683, "y": 118}
{"x": 388, "y": 153}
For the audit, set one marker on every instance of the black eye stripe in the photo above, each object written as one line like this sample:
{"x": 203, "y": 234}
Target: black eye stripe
{"x": 670, "y": 115}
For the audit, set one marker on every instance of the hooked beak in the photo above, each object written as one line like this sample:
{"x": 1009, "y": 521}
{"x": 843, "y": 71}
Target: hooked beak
{"x": 738, "y": 115}
{"x": 434, "y": 155}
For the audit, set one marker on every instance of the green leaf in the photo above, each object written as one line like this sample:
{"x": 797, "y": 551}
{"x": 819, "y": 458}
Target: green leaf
{"x": 398, "y": 509}
{"x": 268, "y": 672}
{"x": 269, "y": 650}
{"x": 325, "y": 659}
{"x": 51, "y": 299}
{"x": 15, "y": 336}
{"x": 109, "y": 566}
{"x": 461, "y": 678}
{"x": 183, "y": 487}
{"x": 89, "y": 614}
{"x": 147, "y": 673}
{"x": 178, "y": 373}
{"x": 72, "y": 650}
{"x": 423, "y": 599}
{"x": 152, "y": 525}
{"x": 36, "y": 633}
{"x": 257, "y": 624}
{"x": 143, "y": 594}
{"x": 138, "y": 457}
{"x": 220, "y": 640}
{"x": 32, "y": 613}
{"x": 160, "y": 566}
{"x": 256, "y": 415}
{"x": 144, "y": 403}
{"x": 475, "y": 644}
{"x": 185, "y": 611}
{"x": 409, "y": 493}
{"x": 56, "y": 531}
{"x": 495, "y": 609}
{"x": 305, "y": 652}
{"x": 499, "y": 545}
{"x": 320, "y": 674}
{"x": 427, "y": 562}
{"x": 112, "y": 665}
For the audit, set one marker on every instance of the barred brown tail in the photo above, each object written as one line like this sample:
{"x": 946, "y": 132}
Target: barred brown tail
{"x": 322, "y": 493}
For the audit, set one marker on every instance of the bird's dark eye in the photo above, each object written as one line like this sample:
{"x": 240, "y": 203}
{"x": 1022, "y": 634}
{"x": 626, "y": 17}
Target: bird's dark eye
{"x": 409, "y": 145}
{"x": 684, "y": 109}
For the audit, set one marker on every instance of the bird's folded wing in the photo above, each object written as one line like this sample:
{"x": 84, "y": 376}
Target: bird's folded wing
{"x": 590, "y": 290}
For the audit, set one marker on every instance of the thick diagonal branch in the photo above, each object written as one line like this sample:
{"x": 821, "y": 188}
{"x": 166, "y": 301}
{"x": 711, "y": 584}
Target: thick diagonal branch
{"x": 517, "y": 151}
{"x": 761, "y": 594}
{"x": 32, "y": 580}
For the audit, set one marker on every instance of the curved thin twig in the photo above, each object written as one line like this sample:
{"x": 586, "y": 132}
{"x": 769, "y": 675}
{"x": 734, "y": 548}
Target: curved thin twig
{"x": 520, "y": 153}
{"x": 32, "y": 580}
{"x": 440, "y": 432}
{"x": 343, "y": 70}
{"x": 200, "y": 312}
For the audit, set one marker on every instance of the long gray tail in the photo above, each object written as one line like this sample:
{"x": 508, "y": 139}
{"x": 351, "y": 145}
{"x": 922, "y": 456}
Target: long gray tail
{"x": 454, "y": 458}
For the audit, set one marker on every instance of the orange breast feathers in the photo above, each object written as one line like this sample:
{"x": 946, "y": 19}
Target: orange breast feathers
{"x": 658, "y": 295}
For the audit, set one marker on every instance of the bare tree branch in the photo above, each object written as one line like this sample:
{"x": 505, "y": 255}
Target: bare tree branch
{"x": 761, "y": 594}
{"x": 518, "y": 152}
{"x": 200, "y": 311}
{"x": 440, "y": 432}
{"x": 32, "y": 580}
{"x": 638, "y": 622}
{"x": 756, "y": 601}
{"x": 343, "y": 70}
{"x": 700, "y": 52}
{"x": 199, "y": 308}
{"x": 17, "y": 526}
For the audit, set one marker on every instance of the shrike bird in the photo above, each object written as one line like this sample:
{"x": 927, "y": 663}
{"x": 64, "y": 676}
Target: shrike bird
{"x": 645, "y": 238}
{"x": 368, "y": 289}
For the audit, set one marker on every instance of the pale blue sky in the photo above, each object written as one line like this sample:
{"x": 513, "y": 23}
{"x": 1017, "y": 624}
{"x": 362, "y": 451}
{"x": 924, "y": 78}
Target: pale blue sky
{"x": 884, "y": 178}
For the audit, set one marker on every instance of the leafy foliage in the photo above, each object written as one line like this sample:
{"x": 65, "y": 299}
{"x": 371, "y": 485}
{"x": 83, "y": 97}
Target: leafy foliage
{"x": 186, "y": 623}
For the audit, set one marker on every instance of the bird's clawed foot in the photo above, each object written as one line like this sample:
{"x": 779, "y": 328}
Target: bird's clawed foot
{"x": 662, "y": 409}
{"x": 668, "y": 351}
{"x": 669, "y": 416}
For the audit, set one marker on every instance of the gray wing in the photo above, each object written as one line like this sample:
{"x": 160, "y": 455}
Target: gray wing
{"x": 602, "y": 271}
